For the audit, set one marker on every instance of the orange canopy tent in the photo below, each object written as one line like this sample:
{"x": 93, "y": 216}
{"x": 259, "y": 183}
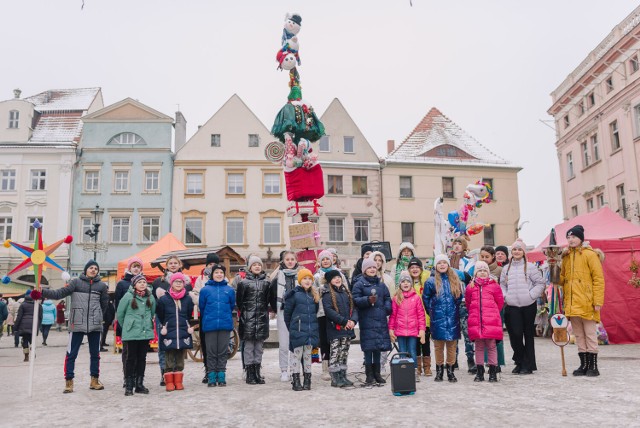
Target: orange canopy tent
{"x": 165, "y": 245}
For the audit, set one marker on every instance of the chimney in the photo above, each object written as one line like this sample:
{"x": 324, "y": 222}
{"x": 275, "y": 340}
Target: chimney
{"x": 16, "y": 93}
{"x": 391, "y": 145}
{"x": 181, "y": 131}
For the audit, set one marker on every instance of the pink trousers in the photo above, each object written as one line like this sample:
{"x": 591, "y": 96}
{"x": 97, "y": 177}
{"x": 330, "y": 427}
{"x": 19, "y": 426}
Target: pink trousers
{"x": 492, "y": 352}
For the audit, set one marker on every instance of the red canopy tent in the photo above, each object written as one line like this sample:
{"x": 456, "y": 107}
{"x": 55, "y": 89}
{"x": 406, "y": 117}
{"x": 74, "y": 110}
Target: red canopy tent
{"x": 619, "y": 240}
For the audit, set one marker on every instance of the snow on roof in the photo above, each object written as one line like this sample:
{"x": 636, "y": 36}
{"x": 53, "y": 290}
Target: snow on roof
{"x": 456, "y": 146}
{"x": 79, "y": 99}
{"x": 65, "y": 127}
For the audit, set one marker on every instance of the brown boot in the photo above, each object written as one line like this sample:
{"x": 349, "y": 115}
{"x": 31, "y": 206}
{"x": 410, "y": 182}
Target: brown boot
{"x": 426, "y": 365}
{"x": 419, "y": 368}
{"x": 26, "y": 355}
{"x": 168, "y": 380}
{"x": 95, "y": 384}
{"x": 68, "y": 386}
{"x": 177, "y": 378}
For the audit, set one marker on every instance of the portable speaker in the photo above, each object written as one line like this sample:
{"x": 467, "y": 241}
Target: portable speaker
{"x": 403, "y": 374}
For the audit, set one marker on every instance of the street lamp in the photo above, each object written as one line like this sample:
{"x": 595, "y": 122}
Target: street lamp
{"x": 93, "y": 233}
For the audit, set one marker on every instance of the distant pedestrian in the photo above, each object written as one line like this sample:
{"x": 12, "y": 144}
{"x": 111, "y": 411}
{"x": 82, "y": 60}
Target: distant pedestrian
{"x": 61, "y": 321}
{"x": 24, "y": 323}
{"x": 11, "y": 316}
{"x": 48, "y": 319}
{"x": 14, "y": 306}
{"x": 4, "y": 314}
{"x": 107, "y": 320}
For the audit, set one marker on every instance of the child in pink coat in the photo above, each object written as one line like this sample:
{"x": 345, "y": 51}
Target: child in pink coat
{"x": 484, "y": 301}
{"x": 407, "y": 322}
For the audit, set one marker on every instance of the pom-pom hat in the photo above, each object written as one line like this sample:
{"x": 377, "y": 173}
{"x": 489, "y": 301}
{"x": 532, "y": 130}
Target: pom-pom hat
{"x": 441, "y": 258}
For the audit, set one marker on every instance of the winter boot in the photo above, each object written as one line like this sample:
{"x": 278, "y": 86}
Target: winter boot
{"x": 177, "y": 379}
{"x": 162, "y": 378}
{"x": 212, "y": 379}
{"x": 370, "y": 380}
{"x": 455, "y": 365}
{"x": 592, "y": 365}
{"x": 95, "y": 384}
{"x": 68, "y": 386}
{"x": 419, "y": 367}
{"x": 376, "y": 374}
{"x": 306, "y": 385}
{"x": 325, "y": 370}
{"x": 205, "y": 378}
{"x": 439, "y": 373}
{"x": 426, "y": 366}
{"x": 450, "y": 376}
{"x": 26, "y": 355}
{"x": 128, "y": 389}
{"x": 295, "y": 382}
{"x": 222, "y": 379}
{"x": 345, "y": 380}
{"x": 259, "y": 377}
{"x": 493, "y": 373}
{"x": 480, "y": 374}
{"x": 472, "y": 365}
{"x": 284, "y": 376}
{"x": 140, "y": 388}
{"x": 168, "y": 381}
{"x": 582, "y": 370}
{"x": 335, "y": 379}
{"x": 251, "y": 375}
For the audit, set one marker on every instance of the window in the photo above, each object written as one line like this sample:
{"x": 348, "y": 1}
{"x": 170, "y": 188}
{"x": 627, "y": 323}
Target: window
{"x": 92, "y": 181}
{"x": 574, "y": 211}
{"x": 335, "y": 184}
{"x": 194, "y": 184}
{"x": 336, "y": 229}
{"x": 127, "y": 138}
{"x": 6, "y": 224}
{"x": 31, "y": 231}
{"x": 633, "y": 64}
{"x": 447, "y": 188}
{"x": 566, "y": 121}
{"x": 14, "y": 119}
{"x": 359, "y": 185}
{"x": 324, "y": 144}
{"x": 150, "y": 229}
{"x": 121, "y": 182}
{"x": 38, "y": 179}
{"x": 406, "y": 230}
{"x": 615, "y": 135}
{"x": 235, "y": 231}
{"x": 120, "y": 229}
{"x": 594, "y": 147}
{"x": 406, "y": 189}
{"x": 8, "y": 180}
{"x": 348, "y": 145}
{"x": 581, "y": 108}
{"x": 235, "y": 183}
{"x": 585, "y": 154}
{"x": 589, "y": 205}
{"x": 600, "y": 199}
{"x": 215, "y": 140}
{"x": 570, "y": 172}
{"x": 489, "y": 238}
{"x": 193, "y": 230}
{"x": 609, "y": 84}
{"x": 152, "y": 181}
{"x": 254, "y": 140}
{"x": 591, "y": 99}
{"x": 272, "y": 184}
{"x": 361, "y": 230}
{"x": 622, "y": 200}
{"x": 271, "y": 227}
{"x": 86, "y": 225}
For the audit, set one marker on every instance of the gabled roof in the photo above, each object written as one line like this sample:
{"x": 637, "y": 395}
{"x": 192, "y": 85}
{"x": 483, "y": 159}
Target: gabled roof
{"x": 438, "y": 140}
{"x": 79, "y": 99}
{"x": 128, "y": 109}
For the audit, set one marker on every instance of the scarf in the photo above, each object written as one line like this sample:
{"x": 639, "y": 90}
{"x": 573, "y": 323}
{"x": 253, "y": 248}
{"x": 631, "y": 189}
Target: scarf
{"x": 325, "y": 270}
{"x": 140, "y": 293}
{"x": 403, "y": 263}
{"x": 177, "y": 295}
{"x": 481, "y": 282}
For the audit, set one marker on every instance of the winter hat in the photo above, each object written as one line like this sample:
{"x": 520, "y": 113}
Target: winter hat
{"x": 28, "y": 292}
{"x": 254, "y": 259}
{"x": 89, "y": 264}
{"x": 176, "y": 276}
{"x": 325, "y": 254}
{"x": 378, "y": 253}
{"x": 404, "y": 276}
{"x": 139, "y": 277}
{"x": 480, "y": 265}
{"x": 368, "y": 263}
{"x": 577, "y": 231}
{"x": 296, "y": 18}
{"x": 414, "y": 262}
{"x": 408, "y": 245}
{"x": 441, "y": 258}
{"x": 134, "y": 260}
{"x": 212, "y": 258}
{"x": 331, "y": 274}
{"x": 303, "y": 273}
{"x": 365, "y": 248}
{"x": 333, "y": 251}
{"x": 503, "y": 249}
{"x": 218, "y": 267}
{"x": 519, "y": 244}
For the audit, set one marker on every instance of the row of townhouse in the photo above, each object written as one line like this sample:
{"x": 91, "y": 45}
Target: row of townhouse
{"x": 72, "y": 163}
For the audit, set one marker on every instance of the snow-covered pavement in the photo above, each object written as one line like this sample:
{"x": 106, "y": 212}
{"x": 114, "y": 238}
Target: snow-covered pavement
{"x": 542, "y": 399}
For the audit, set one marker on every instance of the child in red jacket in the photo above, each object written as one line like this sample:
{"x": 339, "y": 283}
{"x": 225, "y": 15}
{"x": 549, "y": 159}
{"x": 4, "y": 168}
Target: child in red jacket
{"x": 407, "y": 322}
{"x": 484, "y": 301}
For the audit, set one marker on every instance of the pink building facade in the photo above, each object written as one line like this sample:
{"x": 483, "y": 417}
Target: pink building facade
{"x": 597, "y": 117}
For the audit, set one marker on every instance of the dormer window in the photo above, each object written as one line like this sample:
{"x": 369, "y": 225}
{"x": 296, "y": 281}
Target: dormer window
{"x": 14, "y": 119}
{"x": 127, "y": 138}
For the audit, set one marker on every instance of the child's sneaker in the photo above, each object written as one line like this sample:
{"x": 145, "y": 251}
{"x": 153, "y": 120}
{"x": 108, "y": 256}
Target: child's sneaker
{"x": 284, "y": 376}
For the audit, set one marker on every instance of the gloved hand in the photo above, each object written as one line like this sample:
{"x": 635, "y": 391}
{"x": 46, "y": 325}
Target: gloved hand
{"x": 373, "y": 300}
{"x": 422, "y": 337}
{"x": 160, "y": 292}
{"x": 163, "y": 331}
{"x": 36, "y": 295}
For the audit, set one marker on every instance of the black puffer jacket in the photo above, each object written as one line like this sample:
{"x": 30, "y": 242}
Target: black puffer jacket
{"x": 24, "y": 320}
{"x": 337, "y": 320}
{"x": 122, "y": 288}
{"x": 252, "y": 297}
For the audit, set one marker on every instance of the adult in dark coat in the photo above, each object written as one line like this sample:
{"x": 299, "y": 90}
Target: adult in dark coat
{"x": 24, "y": 322}
{"x": 108, "y": 317}
{"x": 61, "y": 307}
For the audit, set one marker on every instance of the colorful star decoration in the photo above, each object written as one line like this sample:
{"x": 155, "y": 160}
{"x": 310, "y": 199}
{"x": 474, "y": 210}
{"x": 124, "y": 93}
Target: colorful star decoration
{"x": 38, "y": 256}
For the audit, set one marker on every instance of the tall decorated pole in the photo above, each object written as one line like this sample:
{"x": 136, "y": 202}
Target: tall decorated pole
{"x": 36, "y": 257}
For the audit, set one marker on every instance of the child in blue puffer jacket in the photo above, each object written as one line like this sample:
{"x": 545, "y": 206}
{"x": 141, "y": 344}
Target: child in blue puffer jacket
{"x": 216, "y": 303}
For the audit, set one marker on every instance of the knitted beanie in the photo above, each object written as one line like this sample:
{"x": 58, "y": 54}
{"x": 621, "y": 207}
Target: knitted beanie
{"x": 503, "y": 249}
{"x": 325, "y": 254}
{"x": 328, "y": 276}
{"x": 368, "y": 263}
{"x": 89, "y": 264}
{"x": 577, "y": 231}
{"x": 139, "y": 277}
{"x": 480, "y": 265}
{"x": 519, "y": 244}
{"x": 254, "y": 259}
{"x": 134, "y": 260}
{"x": 176, "y": 276}
{"x": 303, "y": 273}
{"x": 414, "y": 262}
{"x": 404, "y": 276}
{"x": 441, "y": 258}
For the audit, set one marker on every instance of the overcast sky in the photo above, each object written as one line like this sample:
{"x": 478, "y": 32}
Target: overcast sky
{"x": 488, "y": 65}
